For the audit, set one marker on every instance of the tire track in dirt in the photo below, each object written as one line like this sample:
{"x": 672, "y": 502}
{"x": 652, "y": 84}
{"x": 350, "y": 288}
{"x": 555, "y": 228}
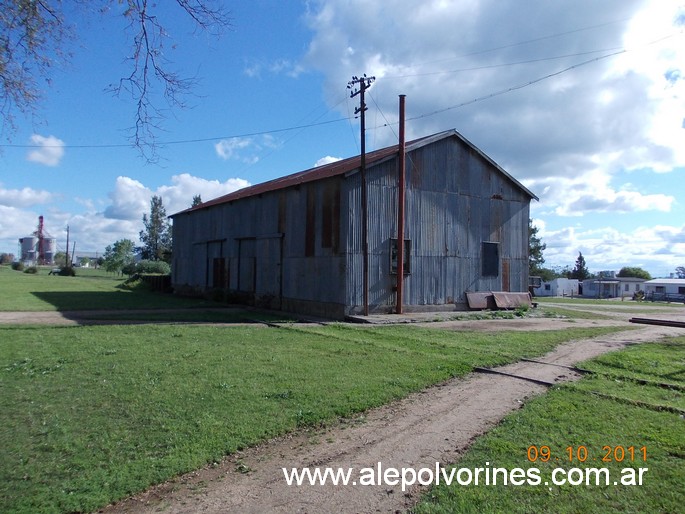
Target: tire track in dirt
{"x": 434, "y": 425}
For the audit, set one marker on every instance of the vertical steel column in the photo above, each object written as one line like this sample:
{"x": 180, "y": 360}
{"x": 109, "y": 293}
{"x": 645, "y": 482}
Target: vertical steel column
{"x": 400, "y": 211}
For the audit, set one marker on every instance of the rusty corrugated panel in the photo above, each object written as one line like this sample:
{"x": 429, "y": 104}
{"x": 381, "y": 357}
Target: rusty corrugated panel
{"x": 330, "y": 215}
{"x": 477, "y": 300}
{"x": 504, "y": 300}
{"x": 505, "y": 274}
{"x": 447, "y": 221}
{"x": 311, "y": 175}
{"x": 348, "y": 165}
{"x": 310, "y": 222}
{"x": 335, "y": 221}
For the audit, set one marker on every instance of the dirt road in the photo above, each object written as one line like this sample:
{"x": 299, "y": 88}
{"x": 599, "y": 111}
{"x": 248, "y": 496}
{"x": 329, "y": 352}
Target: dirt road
{"x": 435, "y": 425}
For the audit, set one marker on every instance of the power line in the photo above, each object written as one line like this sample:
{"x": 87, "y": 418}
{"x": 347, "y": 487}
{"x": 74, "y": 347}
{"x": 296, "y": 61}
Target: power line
{"x": 349, "y": 118}
{"x": 525, "y": 42}
{"x": 517, "y": 87}
{"x": 181, "y": 141}
{"x": 311, "y": 125}
{"x": 534, "y": 81}
{"x": 503, "y": 65}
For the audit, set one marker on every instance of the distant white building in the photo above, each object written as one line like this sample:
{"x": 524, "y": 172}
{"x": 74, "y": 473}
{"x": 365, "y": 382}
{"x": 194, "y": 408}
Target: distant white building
{"x": 669, "y": 289}
{"x": 558, "y": 287}
{"x": 608, "y": 285}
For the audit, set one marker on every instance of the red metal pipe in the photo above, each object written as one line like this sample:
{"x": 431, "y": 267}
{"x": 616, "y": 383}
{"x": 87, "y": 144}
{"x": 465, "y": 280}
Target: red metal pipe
{"x": 400, "y": 212}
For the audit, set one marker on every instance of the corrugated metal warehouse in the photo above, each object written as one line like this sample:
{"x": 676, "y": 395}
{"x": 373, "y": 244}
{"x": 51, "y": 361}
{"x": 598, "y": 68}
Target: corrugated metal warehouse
{"x": 296, "y": 243}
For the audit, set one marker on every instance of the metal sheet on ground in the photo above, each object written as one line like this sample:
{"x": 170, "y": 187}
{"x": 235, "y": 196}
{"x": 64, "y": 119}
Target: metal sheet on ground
{"x": 505, "y": 300}
{"x": 482, "y": 300}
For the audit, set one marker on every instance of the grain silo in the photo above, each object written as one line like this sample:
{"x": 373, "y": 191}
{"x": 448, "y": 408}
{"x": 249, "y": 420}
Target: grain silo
{"x": 50, "y": 245}
{"x": 28, "y": 248}
{"x": 39, "y": 248}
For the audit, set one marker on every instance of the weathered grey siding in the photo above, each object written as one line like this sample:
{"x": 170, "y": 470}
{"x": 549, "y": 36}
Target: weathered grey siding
{"x": 449, "y": 214}
{"x": 299, "y": 248}
{"x": 278, "y": 251}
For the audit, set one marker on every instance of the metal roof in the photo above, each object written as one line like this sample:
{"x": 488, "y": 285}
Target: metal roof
{"x": 343, "y": 167}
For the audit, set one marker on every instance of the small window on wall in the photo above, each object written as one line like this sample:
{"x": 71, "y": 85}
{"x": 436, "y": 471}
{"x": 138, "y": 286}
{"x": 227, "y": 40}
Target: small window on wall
{"x": 490, "y": 259}
{"x": 393, "y": 256}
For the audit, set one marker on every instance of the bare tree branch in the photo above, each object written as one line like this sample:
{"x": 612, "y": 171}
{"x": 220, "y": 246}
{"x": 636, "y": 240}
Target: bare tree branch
{"x": 33, "y": 30}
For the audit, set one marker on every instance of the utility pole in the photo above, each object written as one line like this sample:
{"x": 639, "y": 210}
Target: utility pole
{"x": 363, "y": 83}
{"x": 66, "y": 258}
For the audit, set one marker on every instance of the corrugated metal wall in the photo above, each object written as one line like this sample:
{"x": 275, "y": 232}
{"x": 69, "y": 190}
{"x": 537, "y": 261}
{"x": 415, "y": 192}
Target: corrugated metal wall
{"x": 455, "y": 201}
{"x": 281, "y": 248}
{"x": 300, "y": 248}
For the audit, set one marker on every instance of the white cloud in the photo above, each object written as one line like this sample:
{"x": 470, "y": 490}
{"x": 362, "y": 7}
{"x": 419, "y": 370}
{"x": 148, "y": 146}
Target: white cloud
{"x": 179, "y": 195}
{"x": 446, "y": 54}
{"x": 49, "y": 151}
{"x": 246, "y": 149}
{"x": 228, "y": 148}
{"x": 591, "y": 193}
{"x": 276, "y": 67}
{"x": 93, "y": 230}
{"x": 15, "y": 223}
{"x": 130, "y": 200}
{"x": 24, "y": 197}
{"x": 326, "y": 160}
{"x": 658, "y": 249}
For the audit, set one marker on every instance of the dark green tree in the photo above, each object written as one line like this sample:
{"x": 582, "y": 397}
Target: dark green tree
{"x": 60, "y": 259}
{"x": 6, "y": 258}
{"x": 680, "y": 271}
{"x": 634, "y": 271}
{"x": 535, "y": 249}
{"x": 156, "y": 237}
{"x": 197, "y": 200}
{"x": 547, "y": 274}
{"x": 118, "y": 256}
{"x": 580, "y": 270}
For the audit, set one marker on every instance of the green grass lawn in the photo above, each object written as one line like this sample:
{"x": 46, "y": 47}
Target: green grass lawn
{"x": 88, "y": 290}
{"x": 93, "y": 414}
{"x": 571, "y": 314}
{"x": 610, "y": 302}
{"x": 606, "y": 409}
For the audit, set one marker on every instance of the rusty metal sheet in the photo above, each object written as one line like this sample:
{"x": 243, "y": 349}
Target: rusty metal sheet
{"x": 504, "y": 300}
{"x": 480, "y": 300}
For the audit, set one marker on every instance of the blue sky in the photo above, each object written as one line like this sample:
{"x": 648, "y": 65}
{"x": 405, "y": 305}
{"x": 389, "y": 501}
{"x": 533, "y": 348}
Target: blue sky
{"x": 582, "y": 101}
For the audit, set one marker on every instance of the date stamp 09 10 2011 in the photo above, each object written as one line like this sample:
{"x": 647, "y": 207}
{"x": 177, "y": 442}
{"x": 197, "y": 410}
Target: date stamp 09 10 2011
{"x": 582, "y": 454}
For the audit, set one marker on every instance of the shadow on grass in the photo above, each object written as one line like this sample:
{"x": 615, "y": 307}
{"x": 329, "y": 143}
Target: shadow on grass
{"x": 122, "y": 307}
{"x": 114, "y": 300}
